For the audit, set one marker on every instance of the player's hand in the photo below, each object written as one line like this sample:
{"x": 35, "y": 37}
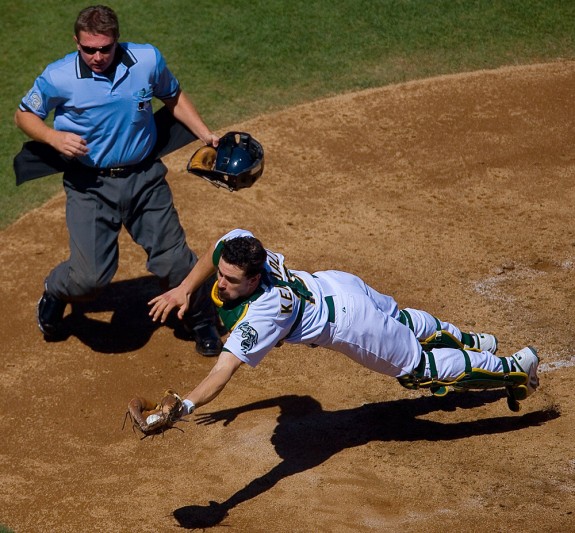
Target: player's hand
{"x": 162, "y": 305}
{"x": 68, "y": 144}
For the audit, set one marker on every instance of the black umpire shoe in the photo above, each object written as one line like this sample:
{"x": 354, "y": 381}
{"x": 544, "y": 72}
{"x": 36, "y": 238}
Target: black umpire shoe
{"x": 208, "y": 341}
{"x": 50, "y": 314}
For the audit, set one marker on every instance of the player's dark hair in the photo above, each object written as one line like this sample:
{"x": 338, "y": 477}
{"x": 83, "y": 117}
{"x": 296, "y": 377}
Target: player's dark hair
{"x": 97, "y": 20}
{"x": 246, "y": 253}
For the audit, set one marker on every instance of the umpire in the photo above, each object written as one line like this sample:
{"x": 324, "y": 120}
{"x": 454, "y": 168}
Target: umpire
{"x": 104, "y": 126}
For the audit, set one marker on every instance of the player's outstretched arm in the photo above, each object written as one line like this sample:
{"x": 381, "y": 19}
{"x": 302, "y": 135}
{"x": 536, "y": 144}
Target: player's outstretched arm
{"x": 215, "y": 382}
{"x": 151, "y": 417}
{"x": 179, "y": 297}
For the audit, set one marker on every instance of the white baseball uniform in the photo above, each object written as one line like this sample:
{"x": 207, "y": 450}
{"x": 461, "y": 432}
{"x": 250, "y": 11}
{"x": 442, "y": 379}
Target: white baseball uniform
{"x": 338, "y": 311}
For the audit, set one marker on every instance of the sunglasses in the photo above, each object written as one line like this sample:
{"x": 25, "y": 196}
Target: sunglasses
{"x": 91, "y": 50}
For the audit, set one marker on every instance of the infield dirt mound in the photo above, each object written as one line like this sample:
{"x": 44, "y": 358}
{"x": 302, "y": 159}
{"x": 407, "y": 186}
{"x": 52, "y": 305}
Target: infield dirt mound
{"x": 454, "y": 195}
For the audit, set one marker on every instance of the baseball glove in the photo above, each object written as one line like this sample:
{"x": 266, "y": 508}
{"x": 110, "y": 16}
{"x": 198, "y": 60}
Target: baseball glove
{"x": 235, "y": 164}
{"x": 203, "y": 159}
{"x": 153, "y": 418}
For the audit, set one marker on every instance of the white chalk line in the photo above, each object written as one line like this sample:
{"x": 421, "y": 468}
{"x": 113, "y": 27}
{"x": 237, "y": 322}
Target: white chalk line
{"x": 491, "y": 288}
{"x": 556, "y": 365}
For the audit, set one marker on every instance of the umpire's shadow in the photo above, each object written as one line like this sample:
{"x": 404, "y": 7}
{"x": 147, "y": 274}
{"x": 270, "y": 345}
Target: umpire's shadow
{"x": 129, "y": 328}
{"x": 306, "y": 436}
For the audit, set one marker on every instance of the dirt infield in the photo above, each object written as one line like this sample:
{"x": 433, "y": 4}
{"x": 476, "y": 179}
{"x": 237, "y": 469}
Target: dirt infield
{"x": 455, "y": 195}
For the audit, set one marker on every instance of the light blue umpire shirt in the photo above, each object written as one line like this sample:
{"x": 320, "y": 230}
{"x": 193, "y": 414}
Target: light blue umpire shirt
{"x": 114, "y": 116}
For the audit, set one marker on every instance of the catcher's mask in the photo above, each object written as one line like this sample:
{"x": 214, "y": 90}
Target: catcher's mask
{"x": 236, "y": 164}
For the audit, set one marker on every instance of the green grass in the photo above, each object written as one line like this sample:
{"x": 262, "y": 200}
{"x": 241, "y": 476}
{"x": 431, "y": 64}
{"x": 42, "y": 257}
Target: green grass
{"x": 240, "y": 59}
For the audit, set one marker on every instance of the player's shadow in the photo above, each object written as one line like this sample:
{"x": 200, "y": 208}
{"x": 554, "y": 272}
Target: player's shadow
{"x": 306, "y": 436}
{"x": 129, "y": 327}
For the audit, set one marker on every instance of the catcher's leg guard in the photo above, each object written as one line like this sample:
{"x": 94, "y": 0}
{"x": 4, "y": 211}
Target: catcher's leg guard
{"x": 440, "y": 337}
{"x": 445, "y": 338}
{"x": 515, "y": 383}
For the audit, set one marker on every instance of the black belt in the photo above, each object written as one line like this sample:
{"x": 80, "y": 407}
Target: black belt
{"x": 118, "y": 172}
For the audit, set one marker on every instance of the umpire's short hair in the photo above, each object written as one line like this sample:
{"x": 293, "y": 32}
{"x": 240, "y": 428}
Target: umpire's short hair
{"x": 97, "y": 19}
{"x": 246, "y": 253}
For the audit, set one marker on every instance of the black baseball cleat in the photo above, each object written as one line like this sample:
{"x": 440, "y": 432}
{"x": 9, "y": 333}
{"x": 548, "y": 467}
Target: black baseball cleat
{"x": 208, "y": 341}
{"x": 50, "y": 314}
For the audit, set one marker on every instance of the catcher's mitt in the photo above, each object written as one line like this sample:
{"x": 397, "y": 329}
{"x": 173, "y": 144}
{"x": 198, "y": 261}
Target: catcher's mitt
{"x": 203, "y": 159}
{"x": 152, "y": 418}
{"x": 235, "y": 164}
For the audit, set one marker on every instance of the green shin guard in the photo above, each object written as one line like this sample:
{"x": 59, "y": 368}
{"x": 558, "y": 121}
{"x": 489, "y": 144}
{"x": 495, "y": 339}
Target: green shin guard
{"x": 442, "y": 339}
{"x": 472, "y": 379}
{"x": 439, "y": 339}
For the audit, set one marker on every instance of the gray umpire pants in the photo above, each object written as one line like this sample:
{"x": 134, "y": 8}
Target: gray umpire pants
{"x": 96, "y": 209}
